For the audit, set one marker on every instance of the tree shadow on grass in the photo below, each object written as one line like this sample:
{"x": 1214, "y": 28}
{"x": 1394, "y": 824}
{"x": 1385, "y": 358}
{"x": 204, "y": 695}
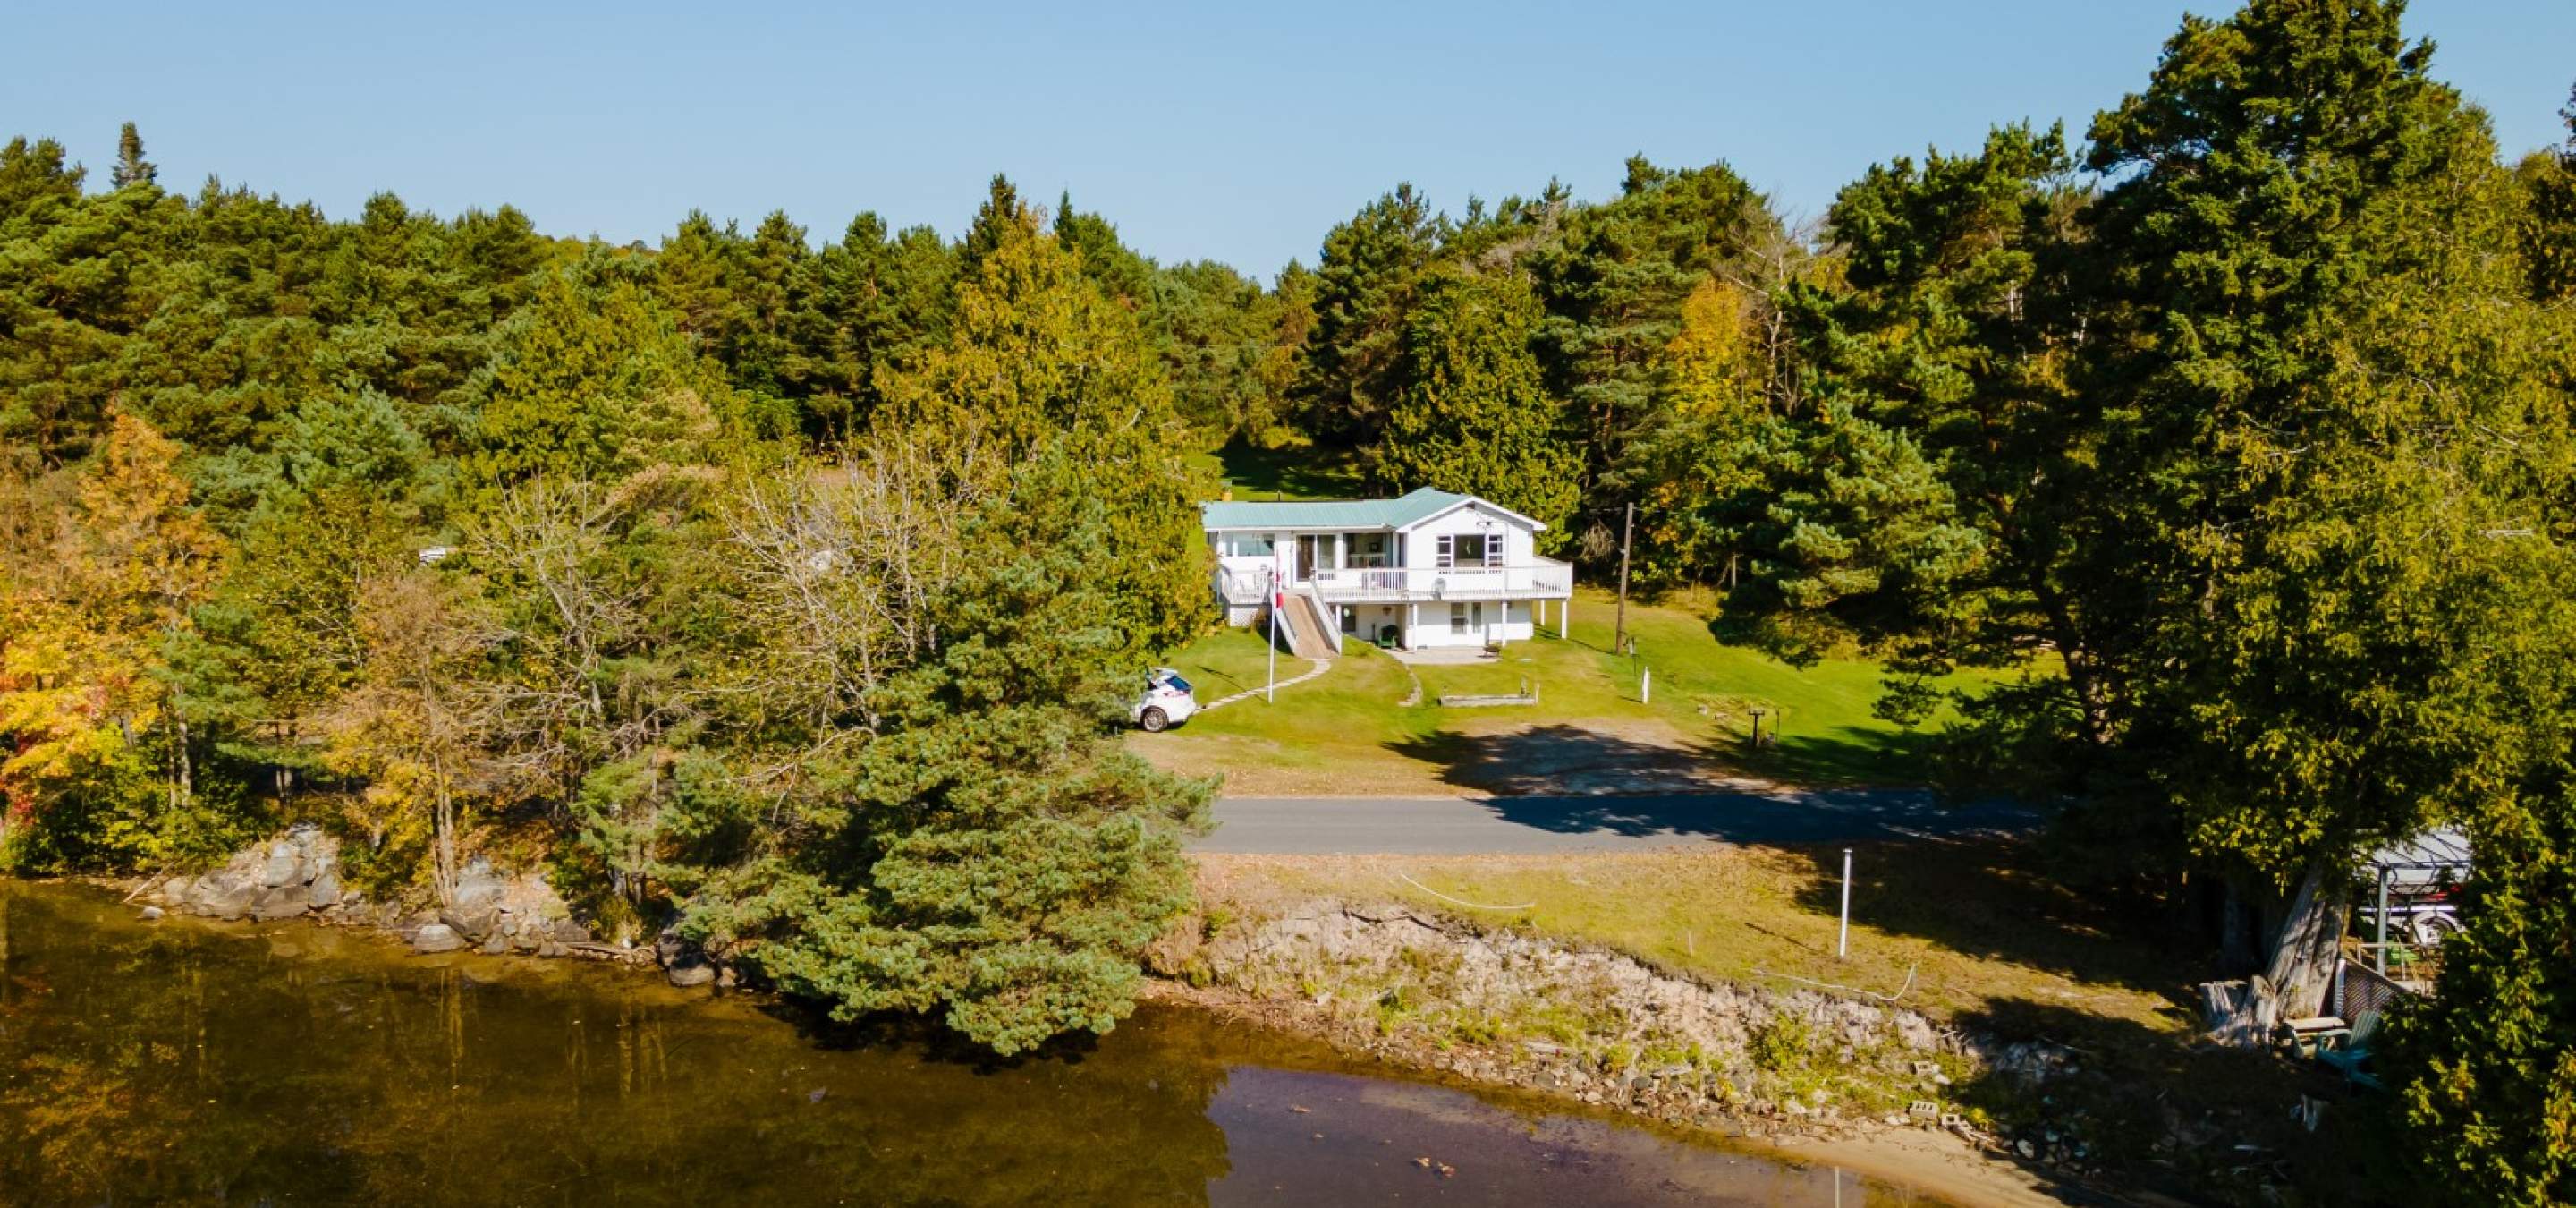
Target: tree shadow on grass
{"x": 1985, "y": 896}
{"x": 1845, "y": 754}
{"x": 1577, "y": 781}
{"x": 1304, "y": 472}
{"x": 2143, "y": 1108}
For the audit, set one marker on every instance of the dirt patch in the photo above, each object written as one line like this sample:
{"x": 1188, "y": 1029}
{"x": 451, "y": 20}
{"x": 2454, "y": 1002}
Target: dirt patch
{"x": 1582, "y": 756}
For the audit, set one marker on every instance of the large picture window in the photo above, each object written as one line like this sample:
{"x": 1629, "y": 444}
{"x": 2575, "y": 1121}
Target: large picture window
{"x": 1470, "y": 549}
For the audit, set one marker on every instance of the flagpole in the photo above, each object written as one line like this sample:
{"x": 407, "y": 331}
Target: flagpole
{"x": 1270, "y": 691}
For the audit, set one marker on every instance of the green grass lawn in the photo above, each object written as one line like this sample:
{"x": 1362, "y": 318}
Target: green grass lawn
{"x": 1292, "y": 470}
{"x": 1350, "y": 732}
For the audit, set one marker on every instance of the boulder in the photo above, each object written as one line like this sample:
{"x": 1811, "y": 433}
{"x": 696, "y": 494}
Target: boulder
{"x": 324, "y": 891}
{"x": 281, "y": 902}
{"x": 683, "y": 962}
{"x": 225, "y": 893}
{"x": 498, "y": 945}
{"x": 477, "y": 886}
{"x": 284, "y": 866}
{"x": 689, "y": 974}
{"x": 472, "y": 921}
{"x": 436, "y": 937}
{"x": 151, "y": 913}
{"x": 570, "y": 932}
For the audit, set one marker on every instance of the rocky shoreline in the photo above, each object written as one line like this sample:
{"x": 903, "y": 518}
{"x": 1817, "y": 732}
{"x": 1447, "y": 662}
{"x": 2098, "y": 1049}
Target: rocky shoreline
{"x": 1430, "y": 994}
{"x": 1620, "y": 1034}
{"x": 298, "y": 876}
{"x": 1867, "y": 1084}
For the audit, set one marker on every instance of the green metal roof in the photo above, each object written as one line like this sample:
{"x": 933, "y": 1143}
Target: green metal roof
{"x": 1329, "y": 514}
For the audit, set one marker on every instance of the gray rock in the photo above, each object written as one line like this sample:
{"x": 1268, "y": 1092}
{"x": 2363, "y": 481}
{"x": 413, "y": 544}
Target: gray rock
{"x": 325, "y": 889}
{"x": 552, "y": 950}
{"x": 690, "y": 974}
{"x": 285, "y": 866}
{"x": 225, "y": 893}
{"x": 570, "y": 932}
{"x": 151, "y": 913}
{"x": 477, "y": 886}
{"x": 471, "y": 921}
{"x": 436, "y": 937}
{"x": 282, "y": 902}
{"x": 498, "y": 945}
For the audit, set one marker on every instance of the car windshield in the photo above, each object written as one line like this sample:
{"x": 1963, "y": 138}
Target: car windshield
{"x": 1178, "y": 684}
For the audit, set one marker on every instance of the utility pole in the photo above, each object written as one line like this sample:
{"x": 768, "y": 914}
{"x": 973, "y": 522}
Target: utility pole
{"x": 1627, "y": 535}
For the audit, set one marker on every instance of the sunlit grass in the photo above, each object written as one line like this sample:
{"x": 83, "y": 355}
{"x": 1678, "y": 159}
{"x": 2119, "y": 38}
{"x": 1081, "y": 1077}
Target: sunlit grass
{"x": 1350, "y": 732}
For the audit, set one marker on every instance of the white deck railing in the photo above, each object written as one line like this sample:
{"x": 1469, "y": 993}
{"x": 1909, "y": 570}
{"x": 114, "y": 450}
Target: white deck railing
{"x": 1542, "y": 579}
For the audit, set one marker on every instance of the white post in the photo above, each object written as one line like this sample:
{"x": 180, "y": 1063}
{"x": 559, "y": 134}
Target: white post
{"x": 1270, "y": 691}
{"x": 1842, "y": 945}
{"x": 1645, "y": 685}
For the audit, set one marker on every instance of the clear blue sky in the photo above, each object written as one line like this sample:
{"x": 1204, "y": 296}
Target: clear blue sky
{"x": 1236, "y": 135}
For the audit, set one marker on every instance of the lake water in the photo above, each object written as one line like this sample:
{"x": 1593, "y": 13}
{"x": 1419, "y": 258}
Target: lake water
{"x": 184, "y": 1061}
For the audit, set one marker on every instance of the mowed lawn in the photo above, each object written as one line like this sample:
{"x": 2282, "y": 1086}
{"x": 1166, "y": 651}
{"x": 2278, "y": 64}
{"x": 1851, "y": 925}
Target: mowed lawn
{"x": 1352, "y": 731}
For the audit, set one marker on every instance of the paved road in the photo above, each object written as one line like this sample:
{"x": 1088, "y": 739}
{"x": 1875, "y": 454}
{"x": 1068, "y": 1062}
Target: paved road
{"x": 1524, "y": 825}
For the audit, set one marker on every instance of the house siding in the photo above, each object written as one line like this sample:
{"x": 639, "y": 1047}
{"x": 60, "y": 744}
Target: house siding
{"x": 1247, "y": 559}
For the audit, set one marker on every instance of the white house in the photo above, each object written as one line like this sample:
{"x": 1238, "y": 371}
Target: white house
{"x": 1431, "y": 568}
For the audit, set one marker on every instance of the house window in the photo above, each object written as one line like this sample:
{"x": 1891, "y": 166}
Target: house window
{"x": 1350, "y": 620}
{"x": 1465, "y": 618}
{"x": 1470, "y": 549}
{"x": 1248, "y": 545}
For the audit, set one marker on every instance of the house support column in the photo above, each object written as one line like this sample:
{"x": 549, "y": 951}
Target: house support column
{"x": 1564, "y": 617}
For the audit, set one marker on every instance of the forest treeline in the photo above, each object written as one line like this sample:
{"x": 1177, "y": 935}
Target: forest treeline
{"x": 786, "y": 591}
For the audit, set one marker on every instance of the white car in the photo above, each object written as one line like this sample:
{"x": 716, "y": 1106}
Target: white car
{"x": 1166, "y": 703}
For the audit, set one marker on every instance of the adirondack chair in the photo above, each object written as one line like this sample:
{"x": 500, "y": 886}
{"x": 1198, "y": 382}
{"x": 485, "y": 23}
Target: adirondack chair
{"x": 2348, "y": 1050}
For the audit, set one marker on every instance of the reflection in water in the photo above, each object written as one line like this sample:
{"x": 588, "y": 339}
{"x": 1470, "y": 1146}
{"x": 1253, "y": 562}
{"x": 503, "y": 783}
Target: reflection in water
{"x": 191, "y": 1062}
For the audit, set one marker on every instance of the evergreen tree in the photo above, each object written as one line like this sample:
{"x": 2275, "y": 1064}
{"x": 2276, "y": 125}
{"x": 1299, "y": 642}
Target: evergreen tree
{"x": 1365, "y": 283}
{"x": 1040, "y": 360}
{"x": 862, "y": 306}
{"x": 2549, "y": 226}
{"x": 595, "y": 384}
{"x": 1613, "y": 285}
{"x": 1473, "y": 415}
{"x": 988, "y": 856}
{"x": 997, "y": 222}
{"x": 131, "y": 168}
{"x": 1110, "y": 263}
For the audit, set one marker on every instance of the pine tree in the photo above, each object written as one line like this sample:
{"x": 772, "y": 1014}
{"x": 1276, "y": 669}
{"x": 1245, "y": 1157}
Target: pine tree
{"x": 2549, "y": 225}
{"x": 131, "y": 168}
{"x": 2299, "y": 289}
{"x": 596, "y": 384}
{"x": 997, "y": 222}
{"x": 1613, "y": 285}
{"x": 1040, "y": 360}
{"x": 1472, "y": 414}
{"x": 1371, "y": 268}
